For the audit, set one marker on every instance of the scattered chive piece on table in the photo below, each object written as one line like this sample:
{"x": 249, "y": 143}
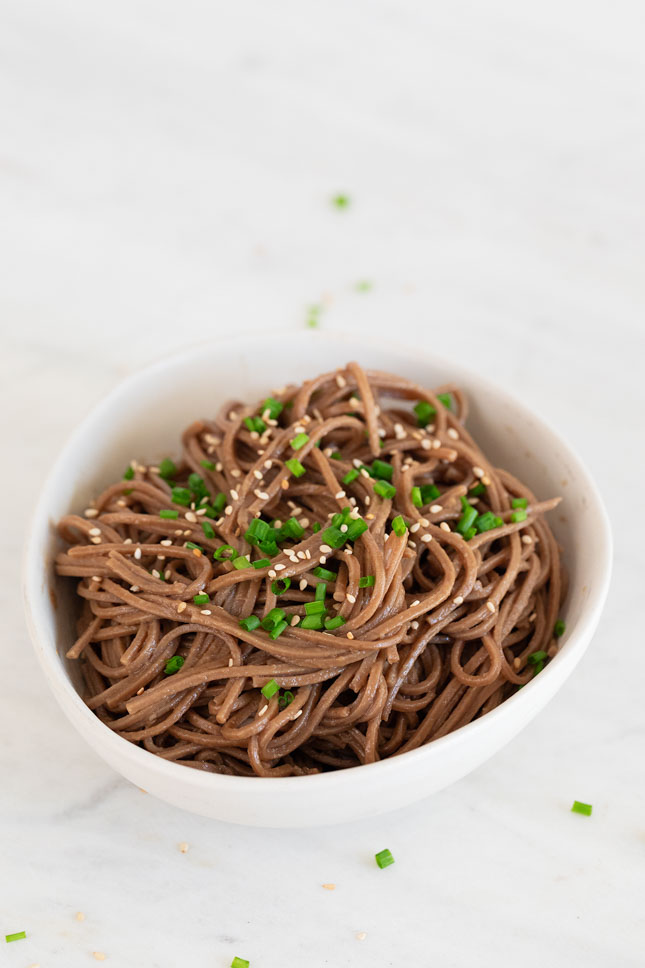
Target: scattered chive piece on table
{"x": 519, "y": 502}
{"x": 334, "y": 623}
{"x": 299, "y": 441}
{"x": 128, "y": 474}
{"x": 341, "y": 201}
{"x": 384, "y": 490}
{"x": 363, "y": 286}
{"x": 201, "y": 599}
{"x": 295, "y": 467}
{"x": 174, "y": 664}
{"x": 167, "y": 468}
{"x": 367, "y": 581}
{"x": 583, "y": 808}
{"x": 167, "y": 513}
{"x": 280, "y": 585}
{"x": 240, "y": 963}
{"x": 384, "y": 858}
{"x": 18, "y": 936}
{"x": 558, "y": 628}
{"x": 271, "y": 687}
{"x": 519, "y": 515}
{"x": 250, "y": 623}
{"x": 325, "y": 574}
{"x": 399, "y": 526}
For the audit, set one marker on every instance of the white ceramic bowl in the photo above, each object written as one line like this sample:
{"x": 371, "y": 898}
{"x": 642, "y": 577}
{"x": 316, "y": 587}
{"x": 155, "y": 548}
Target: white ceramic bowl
{"x": 143, "y": 418}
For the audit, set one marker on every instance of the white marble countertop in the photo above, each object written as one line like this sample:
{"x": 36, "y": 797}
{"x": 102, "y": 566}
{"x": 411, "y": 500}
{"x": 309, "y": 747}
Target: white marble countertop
{"x": 165, "y": 177}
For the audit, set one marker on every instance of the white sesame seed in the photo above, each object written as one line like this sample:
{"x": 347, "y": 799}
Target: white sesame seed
{"x": 280, "y": 567}
{"x": 190, "y": 516}
{"x": 235, "y": 472}
{"x": 354, "y": 513}
{"x": 412, "y": 544}
{"x": 181, "y": 606}
{"x": 351, "y": 599}
{"x": 414, "y": 625}
{"x": 326, "y": 550}
{"x": 328, "y": 451}
{"x": 304, "y": 522}
{"x": 347, "y": 551}
{"x": 271, "y": 573}
{"x": 200, "y": 512}
{"x": 137, "y": 553}
{"x": 415, "y": 527}
{"x": 427, "y": 538}
{"x": 444, "y": 526}
{"x": 262, "y": 711}
{"x": 458, "y": 600}
{"x": 452, "y": 433}
{"x": 127, "y": 541}
{"x": 323, "y": 559}
{"x": 426, "y": 444}
{"x": 294, "y": 620}
{"x": 490, "y": 606}
{"x": 268, "y": 463}
{"x": 91, "y": 513}
{"x": 262, "y": 495}
{"x": 257, "y": 474}
{"x": 364, "y": 473}
{"x": 301, "y": 555}
{"x": 340, "y": 380}
{"x": 187, "y": 533}
{"x": 95, "y": 578}
{"x": 339, "y": 495}
{"x": 415, "y": 602}
{"x": 517, "y": 662}
{"x": 230, "y": 663}
{"x": 155, "y": 573}
{"x": 219, "y": 466}
{"x": 477, "y": 471}
{"x": 350, "y": 635}
{"x": 234, "y": 495}
{"x": 357, "y": 462}
{"x": 135, "y": 588}
{"x": 399, "y": 432}
{"x": 435, "y": 508}
{"x": 299, "y": 713}
{"x": 205, "y": 611}
{"x": 94, "y": 531}
{"x": 121, "y": 503}
{"x": 368, "y": 500}
{"x": 485, "y": 481}
{"x": 307, "y": 554}
{"x": 233, "y": 415}
{"x": 343, "y": 528}
{"x": 436, "y": 444}
{"x": 354, "y": 401}
{"x": 527, "y": 539}
{"x": 302, "y": 584}
{"x": 183, "y": 847}
{"x": 424, "y": 522}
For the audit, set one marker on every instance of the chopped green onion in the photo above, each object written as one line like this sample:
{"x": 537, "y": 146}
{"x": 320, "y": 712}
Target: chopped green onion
{"x": 446, "y": 399}
{"x": 315, "y": 608}
{"x": 181, "y": 495}
{"x": 518, "y": 516}
{"x": 291, "y": 529}
{"x": 429, "y": 492}
{"x": 312, "y": 318}
{"x": 241, "y": 562}
{"x": 341, "y": 201}
{"x": 334, "y": 537}
{"x": 174, "y": 665}
{"x": 350, "y": 476}
{"x": 299, "y": 441}
{"x": 167, "y": 468}
{"x": 312, "y": 622}
{"x": 316, "y": 526}
{"x": 296, "y": 468}
{"x": 269, "y": 547}
{"x": 208, "y": 464}
{"x": 250, "y": 623}
{"x": 193, "y": 546}
{"x": 336, "y": 455}
{"x": 197, "y": 485}
{"x": 270, "y": 689}
{"x": 583, "y": 808}
{"x": 363, "y": 286}
{"x": 384, "y": 490}
{"x": 208, "y": 529}
{"x": 384, "y": 858}
{"x": 261, "y": 563}
{"x": 558, "y": 628}
{"x": 486, "y": 522}
{"x": 201, "y": 599}
{"x": 280, "y": 586}
{"x": 468, "y": 517}
{"x": 18, "y": 936}
{"x": 355, "y": 528}
{"x": 325, "y": 574}
{"x": 334, "y": 623}
{"x": 382, "y": 470}
{"x": 399, "y": 526}
{"x": 257, "y": 531}
{"x": 424, "y": 411}
{"x": 367, "y": 581}
{"x": 167, "y": 513}
{"x": 219, "y": 503}
{"x": 285, "y": 699}
{"x": 273, "y": 618}
{"x": 255, "y": 424}
{"x": 321, "y": 591}
{"x": 537, "y": 659}
{"x": 274, "y": 407}
{"x": 342, "y": 517}
{"x": 278, "y": 630}
{"x": 221, "y": 553}
{"x": 240, "y": 963}
{"x": 415, "y": 494}
{"x": 128, "y": 474}
{"x": 470, "y": 533}
{"x": 519, "y": 502}
{"x": 478, "y": 489}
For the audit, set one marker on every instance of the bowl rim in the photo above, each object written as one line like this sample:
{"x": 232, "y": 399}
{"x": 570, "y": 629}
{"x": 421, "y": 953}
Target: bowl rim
{"x": 536, "y": 694}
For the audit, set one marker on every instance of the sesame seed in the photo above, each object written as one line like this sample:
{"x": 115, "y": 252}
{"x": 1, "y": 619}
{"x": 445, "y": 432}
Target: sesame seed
{"x": 350, "y": 635}
{"x": 299, "y": 713}
{"x": 121, "y": 503}
{"x": 354, "y": 402}
{"x": 329, "y": 887}
{"x": 452, "y": 433}
{"x": 436, "y": 508}
{"x": 179, "y": 533}
{"x": 414, "y": 625}
{"x": 302, "y": 584}
{"x": 307, "y": 554}
{"x": 301, "y": 555}
{"x": 284, "y": 484}
{"x": 181, "y": 606}
{"x": 232, "y": 415}
{"x": 323, "y": 559}
{"x": 271, "y": 573}
{"x": 426, "y": 444}
{"x": 427, "y": 538}
{"x": 368, "y": 500}
{"x": 339, "y": 495}
{"x": 485, "y": 480}
{"x": 187, "y": 533}
{"x": 415, "y": 527}
{"x": 458, "y": 600}
{"x": 262, "y": 711}
{"x": 444, "y": 526}
{"x": 166, "y": 542}
{"x": 280, "y": 567}
{"x": 95, "y": 578}
{"x": 354, "y": 513}
{"x": 304, "y": 522}
{"x": 268, "y": 463}
{"x": 411, "y": 543}
{"x": 155, "y": 573}
{"x": 205, "y": 611}
{"x": 230, "y": 663}
{"x": 328, "y": 451}
{"x": 343, "y": 528}
{"x": 183, "y": 847}
{"x": 257, "y": 474}
{"x": 364, "y": 473}
{"x": 351, "y": 598}
{"x": 294, "y": 619}
{"x": 527, "y": 539}
{"x": 517, "y": 662}
{"x": 94, "y": 531}
{"x": 340, "y": 380}
{"x": 98, "y": 955}
{"x": 369, "y": 517}
{"x": 228, "y": 509}
{"x": 399, "y": 432}
{"x": 234, "y": 495}
{"x": 490, "y": 606}
{"x": 436, "y": 444}
{"x": 91, "y": 513}
{"x": 361, "y": 935}
{"x": 415, "y": 602}
{"x": 190, "y": 516}
{"x": 357, "y": 462}
{"x": 80, "y": 916}
{"x": 137, "y": 553}
{"x": 325, "y": 549}
{"x": 532, "y": 616}
{"x": 347, "y": 551}
{"x": 139, "y": 691}
{"x": 219, "y": 466}
{"x": 477, "y": 471}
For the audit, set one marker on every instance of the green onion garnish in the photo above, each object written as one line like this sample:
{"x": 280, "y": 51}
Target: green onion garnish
{"x": 280, "y": 585}
{"x": 384, "y": 490}
{"x": 167, "y": 513}
{"x": 181, "y": 495}
{"x": 285, "y": 699}
{"x": 537, "y": 659}
{"x": 355, "y": 528}
{"x": 278, "y": 630}
{"x": 250, "y": 623}
{"x": 193, "y": 546}
{"x": 167, "y": 468}
{"x": 486, "y": 522}
{"x": 18, "y": 936}
{"x": 174, "y": 665}
{"x": 415, "y": 494}
{"x": 315, "y": 608}
{"x": 367, "y": 581}
{"x": 255, "y": 424}
{"x": 334, "y": 536}
{"x": 341, "y": 201}
{"x": 382, "y": 470}
{"x": 384, "y": 858}
{"x": 363, "y": 286}
{"x": 128, "y": 474}
{"x": 208, "y": 464}
{"x": 519, "y": 502}
{"x": 208, "y": 529}
{"x": 222, "y": 553}
{"x": 274, "y": 407}
{"x": 299, "y": 441}
{"x": 470, "y": 533}
{"x": 219, "y": 503}
{"x": 261, "y": 563}
{"x": 478, "y": 489}
{"x": 269, "y": 547}
{"x": 336, "y": 455}
{"x": 429, "y": 492}
{"x": 270, "y": 689}
{"x": 291, "y": 529}
{"x": 468, "y": 517}
{"x": 325, "y": 574}
{"x": 583, "y": 808}
{"x": 296, "y": 468}
{"x": 399, "y": 526}
{"x": 350, "y": 476}
{"x": 273, "y": 618}
{"x": 241, "y": 562}
{"x": 240, "y": 963}
{"x": 446, "y": 399}
{"x": 558, "y": 628}
{"x": 257, "y": 531}
{"x": 312, "y": 622}
{"x": 334, "y": 623}
{"x": 201, "y": 599}
{"x": 197, "y": 484}
{"x": 424, "y": 411}
{"x": 316, "y": 526}
{"x": 321, "y": 591}
{"x": 519, "y": 515}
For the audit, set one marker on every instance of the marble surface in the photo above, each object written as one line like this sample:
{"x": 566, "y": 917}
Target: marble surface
{"x": 165, "y": 176}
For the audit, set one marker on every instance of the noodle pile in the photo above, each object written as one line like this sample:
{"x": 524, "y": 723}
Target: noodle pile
{"x": 405, "y": 585}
